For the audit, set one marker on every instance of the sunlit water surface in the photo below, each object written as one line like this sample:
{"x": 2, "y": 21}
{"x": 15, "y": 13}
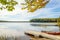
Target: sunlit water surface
{"x": 18, "y": 29}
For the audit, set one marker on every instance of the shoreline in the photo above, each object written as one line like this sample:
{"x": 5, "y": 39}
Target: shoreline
{"x": 25, "y": 22}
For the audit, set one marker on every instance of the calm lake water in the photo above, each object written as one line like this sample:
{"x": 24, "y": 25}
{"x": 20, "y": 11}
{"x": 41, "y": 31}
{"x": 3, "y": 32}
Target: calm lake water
{"x": 17, "y": 29}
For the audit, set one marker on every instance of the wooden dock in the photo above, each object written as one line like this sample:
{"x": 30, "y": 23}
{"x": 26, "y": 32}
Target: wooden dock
{"x": 39, "y": 39}
{"x": 34, "y": 35}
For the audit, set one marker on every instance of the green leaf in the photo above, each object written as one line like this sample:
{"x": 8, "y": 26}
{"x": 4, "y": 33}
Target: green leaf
{"x": 0, "y": 8}
{"x": 10, "y": 8}
{"x": 9, "y": 5}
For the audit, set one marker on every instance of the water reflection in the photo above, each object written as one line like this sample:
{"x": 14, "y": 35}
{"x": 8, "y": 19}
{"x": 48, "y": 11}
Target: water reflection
{"x": 18, "y": 29}
{"x": 46, "y": 27}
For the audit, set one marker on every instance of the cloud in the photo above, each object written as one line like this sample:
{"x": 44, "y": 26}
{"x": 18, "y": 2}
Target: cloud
{"x": 51, "y": 10}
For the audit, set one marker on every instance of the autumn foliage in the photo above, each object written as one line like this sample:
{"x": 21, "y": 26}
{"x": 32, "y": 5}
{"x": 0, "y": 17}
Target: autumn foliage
{"x": 33, "y": 5}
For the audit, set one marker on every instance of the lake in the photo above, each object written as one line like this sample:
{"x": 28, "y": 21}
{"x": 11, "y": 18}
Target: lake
{"x": 18, "y": 29}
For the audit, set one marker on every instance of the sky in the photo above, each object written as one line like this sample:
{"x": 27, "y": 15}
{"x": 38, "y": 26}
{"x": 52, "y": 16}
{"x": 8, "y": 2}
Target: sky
{"x": 51, "y": 10}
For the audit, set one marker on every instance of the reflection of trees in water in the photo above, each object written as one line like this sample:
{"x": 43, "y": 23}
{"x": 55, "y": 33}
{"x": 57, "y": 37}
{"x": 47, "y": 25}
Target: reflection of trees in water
{"x": 42, "y": 25}
{"x": 47, "y": 27}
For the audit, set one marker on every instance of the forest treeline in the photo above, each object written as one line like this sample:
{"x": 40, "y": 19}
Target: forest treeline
{"x": 45, "y": 20}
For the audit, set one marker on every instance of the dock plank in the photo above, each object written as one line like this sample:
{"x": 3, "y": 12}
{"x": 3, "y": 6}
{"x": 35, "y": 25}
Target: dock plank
{"x": 44, "y": 35}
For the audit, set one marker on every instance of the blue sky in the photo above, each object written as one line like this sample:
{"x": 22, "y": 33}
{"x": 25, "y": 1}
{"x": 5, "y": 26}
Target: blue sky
{"x": 51, "y": 10}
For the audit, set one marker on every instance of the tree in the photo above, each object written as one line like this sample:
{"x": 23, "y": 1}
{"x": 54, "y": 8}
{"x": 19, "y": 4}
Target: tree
{"x": 8, "y": 4}
{"x": 58, "y": 21}
{"x": 33, "y": 5}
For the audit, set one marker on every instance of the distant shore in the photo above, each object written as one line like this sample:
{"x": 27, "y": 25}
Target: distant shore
{"x": 23, "y": 22}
